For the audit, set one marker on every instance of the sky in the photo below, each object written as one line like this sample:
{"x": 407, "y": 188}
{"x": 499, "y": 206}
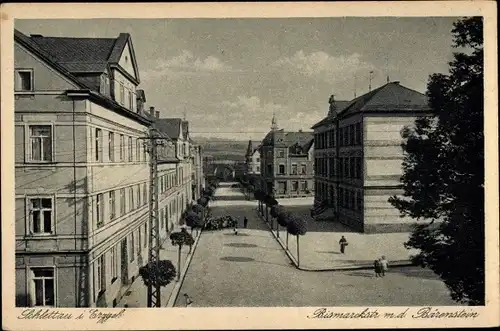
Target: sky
{"x": 229, "y": 76}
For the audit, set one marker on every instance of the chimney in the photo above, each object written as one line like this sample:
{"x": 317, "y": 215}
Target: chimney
{"x": 157, "y": 114}
{"x": 152, "y": 111}
{"x": 396, "y": 82}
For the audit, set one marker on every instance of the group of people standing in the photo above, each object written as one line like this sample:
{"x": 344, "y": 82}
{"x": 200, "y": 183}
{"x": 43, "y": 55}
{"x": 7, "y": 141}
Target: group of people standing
{"x": 381, "y": 265}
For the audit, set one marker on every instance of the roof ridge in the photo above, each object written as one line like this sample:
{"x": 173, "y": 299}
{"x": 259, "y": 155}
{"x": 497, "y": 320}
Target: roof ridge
{"x": 35, "y": 36}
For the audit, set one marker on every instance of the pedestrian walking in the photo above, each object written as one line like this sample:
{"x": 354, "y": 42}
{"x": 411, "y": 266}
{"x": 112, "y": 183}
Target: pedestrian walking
{"x": 235, "y": 228}
{"x": 377, "y": 267}
{"x": 343, "y": 243}
{"x": 384, "y": 264}
{"x": 245, "y": 222}
{"x": 188, "y": 300}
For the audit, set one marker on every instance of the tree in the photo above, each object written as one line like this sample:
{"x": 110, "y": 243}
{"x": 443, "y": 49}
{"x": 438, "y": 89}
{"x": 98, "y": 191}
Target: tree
{"x": 270, "y": 201}
{"x": 296, "y": 227}
{"x": 275, "y": 210}
{"x": 444, "y": 172}
{"x": 193, "y": 220}
{"x": 259, "y": 196}
{"x": 161, "y": 274}
{"x": 180, "y": 239}
{"x": 283, "y": 219}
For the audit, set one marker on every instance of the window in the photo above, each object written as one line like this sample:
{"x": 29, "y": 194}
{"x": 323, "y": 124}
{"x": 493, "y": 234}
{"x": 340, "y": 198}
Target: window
{"x": 139, "y": 196}
{"x": 303, "y": 185}
{"x": 346, "y": 167}
{"x": 131, "y": 199}
{"x": 112, "y": 205}
{"x": 358, "y": 133}
{"x": 281, "y": 154}
{"x": 43, "y": 287}
{"x": 281, "y": 187}
{"x": 100, "y": 275}
{"x": 41, "y": 215}
{"x": 114, "y": 264}
{"x": 281, "y": 170}
{"x": 258, "y": 168}
{"x": 359, "y": 201}
{"x": 145, "y": 153}
{"x": 139, "y": 241}
{"x": 294, "y": 169}
{"x": 132, "y": 247}
{"x": 303, "y": 169}
{"x": 99, "y": 211}
{"x": 352, "y": 167}
{"x": 137, "y": 150}
{"x": 122, "y": 201}
{"x": 122, "y": 147}
{"x": 257, "y": 159}
{"x": 40, "y": 143}
{"x": 130, "y": 100}
{"x": 98, "y": 145}
{"x": 122, "y": 94}
{"x": 111, "y": 147}
{"x": 130, "y": 152}
{"x": 295, "y": 186}
{"x": 23, "y": 80}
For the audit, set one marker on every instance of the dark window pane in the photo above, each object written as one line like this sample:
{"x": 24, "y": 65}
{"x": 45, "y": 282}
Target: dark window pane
{"x": 36, "y": 203}
{"x": 39, "y": 292}
{"x": 46, "y": 203}
{"x": 49, "y": 292}
{"x": 43, "y": 272}
{"x": 47, "y": 223}
{"x": 36, "y": 221}
{"x": 36, "y": 151}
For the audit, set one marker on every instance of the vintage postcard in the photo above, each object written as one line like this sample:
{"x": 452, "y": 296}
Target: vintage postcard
{"x": 249, "y": 165}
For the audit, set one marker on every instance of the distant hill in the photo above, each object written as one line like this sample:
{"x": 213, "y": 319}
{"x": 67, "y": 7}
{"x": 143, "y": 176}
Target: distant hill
{"x": 223, "y": 148}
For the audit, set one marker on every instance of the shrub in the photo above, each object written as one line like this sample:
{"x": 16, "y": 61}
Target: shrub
{"x": 276, "y": 210}
{"x": 197, "y": 208}
{"x": 284, "y": 217}
{"x": 161, "y": 275}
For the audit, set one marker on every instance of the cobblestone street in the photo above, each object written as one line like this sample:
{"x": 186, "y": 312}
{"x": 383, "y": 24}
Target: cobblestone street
{"x": 251, "y": 269}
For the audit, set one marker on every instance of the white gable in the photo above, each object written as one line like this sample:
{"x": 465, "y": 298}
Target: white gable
{"x": 180, "y": 132}
{"x": 126, "y": 61}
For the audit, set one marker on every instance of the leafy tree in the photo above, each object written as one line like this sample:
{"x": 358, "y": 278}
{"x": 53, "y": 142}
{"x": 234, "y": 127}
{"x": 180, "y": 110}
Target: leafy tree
{"x": 444, "y": 172}
{"x": 180, "y": 239}
{"x": 259, "y": 196}
{"x": 161, "y": 274}
{"x": 270, "y": 201}
{"x": 193, "y": 220}
{"x": 275, "y": 210}
{"x": 283, "y": 219}
{"x": 296, "y": 227}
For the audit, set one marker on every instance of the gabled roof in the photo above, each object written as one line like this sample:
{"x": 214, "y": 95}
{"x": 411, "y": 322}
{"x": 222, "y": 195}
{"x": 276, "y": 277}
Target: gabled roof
{"x": 86, "y": 55}
{"x": 288, "y": 138}
{"x": 252, "y": 147}
{"x": 169, "y": 126}
{"x": 391, "y": 97}
{"x": 340, "y": 104}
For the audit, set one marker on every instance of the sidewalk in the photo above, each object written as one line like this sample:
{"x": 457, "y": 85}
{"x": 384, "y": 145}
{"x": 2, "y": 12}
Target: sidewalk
{"x": 320, "y": 251}
{"x": 136, "y": 295}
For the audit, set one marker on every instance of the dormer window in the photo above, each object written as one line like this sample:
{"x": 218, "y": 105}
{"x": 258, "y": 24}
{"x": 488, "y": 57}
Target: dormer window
{"x": 23, "y": 80}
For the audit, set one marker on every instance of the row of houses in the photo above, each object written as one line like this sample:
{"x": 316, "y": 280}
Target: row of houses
{"x": 82, "y": 174}
{"x": 351, "y": 162}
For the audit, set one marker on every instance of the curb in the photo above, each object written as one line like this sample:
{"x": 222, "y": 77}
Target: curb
{"x": 175, "y": 292}
{"x": 399, "y": 263}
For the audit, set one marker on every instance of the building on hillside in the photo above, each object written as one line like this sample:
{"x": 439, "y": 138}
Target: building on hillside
{"x": 252, "y": 161}
{"x": 358, "y": 157}
{"x": 287, "y": 164}
{"x": 81, "y": 170}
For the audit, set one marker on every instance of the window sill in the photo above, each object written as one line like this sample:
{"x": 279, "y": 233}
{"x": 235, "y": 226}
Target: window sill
{"x": 40, "y": 236}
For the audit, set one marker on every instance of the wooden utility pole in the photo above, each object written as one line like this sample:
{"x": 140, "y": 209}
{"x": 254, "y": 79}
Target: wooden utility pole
{"x": 154, "y": 290}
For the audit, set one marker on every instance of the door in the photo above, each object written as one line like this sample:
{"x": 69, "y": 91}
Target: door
{"x": 124, "y": 260}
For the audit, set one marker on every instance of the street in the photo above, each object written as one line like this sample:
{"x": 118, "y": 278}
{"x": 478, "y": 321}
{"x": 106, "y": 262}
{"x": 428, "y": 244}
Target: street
{"x": 251, "y": 270}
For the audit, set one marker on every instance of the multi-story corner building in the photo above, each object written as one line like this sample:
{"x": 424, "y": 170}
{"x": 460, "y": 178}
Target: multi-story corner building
{"x": 252, "y": 161}
{"x": 81, "y": 170}
{"x": 287, "y": 164}
{"x": 358, "y": 156}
